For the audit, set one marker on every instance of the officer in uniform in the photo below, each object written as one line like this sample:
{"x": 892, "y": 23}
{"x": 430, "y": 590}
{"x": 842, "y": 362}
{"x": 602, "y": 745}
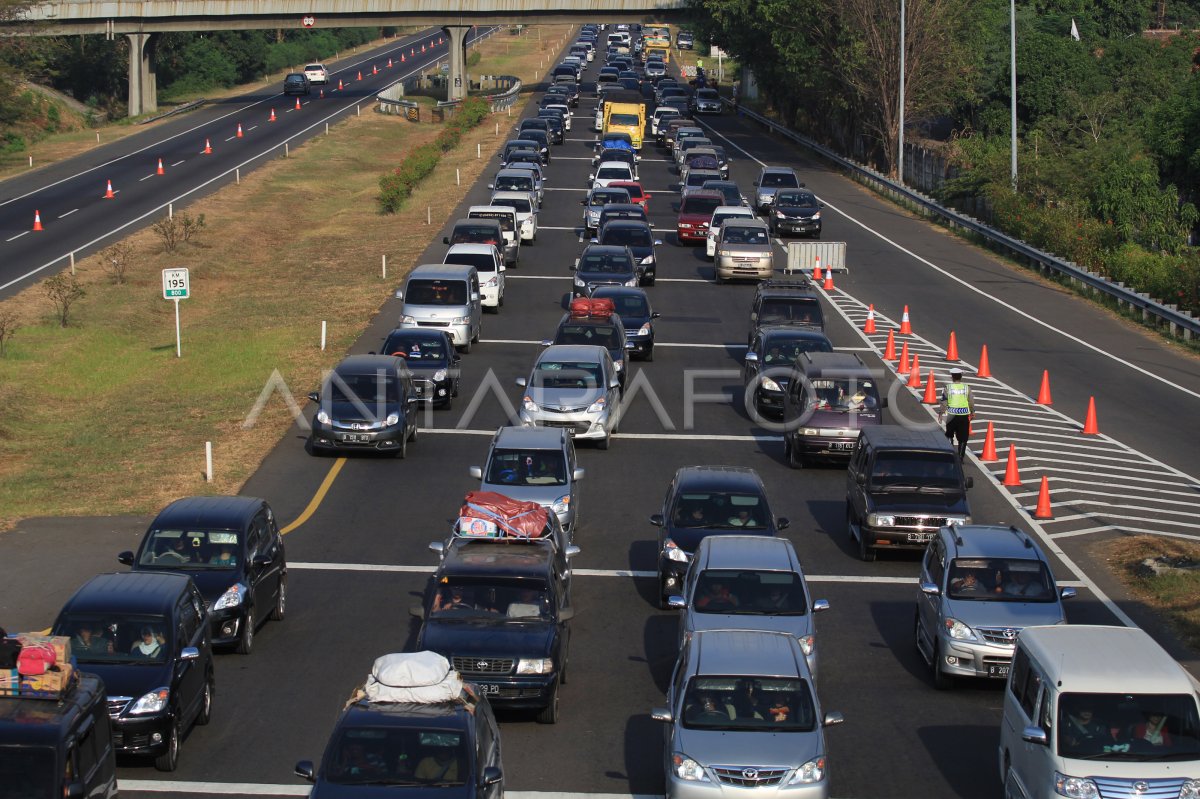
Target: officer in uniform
{"x": 958, "y": 406}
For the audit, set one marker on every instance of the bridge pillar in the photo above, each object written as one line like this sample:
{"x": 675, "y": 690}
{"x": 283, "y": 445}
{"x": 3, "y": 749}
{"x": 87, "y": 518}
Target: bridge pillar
{"x": 456, "y": 88}
{"x": 143, "y": 83}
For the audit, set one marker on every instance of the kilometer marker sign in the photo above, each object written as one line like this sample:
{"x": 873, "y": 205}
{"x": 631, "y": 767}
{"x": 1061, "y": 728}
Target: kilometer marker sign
{"x": 176, "y": 287}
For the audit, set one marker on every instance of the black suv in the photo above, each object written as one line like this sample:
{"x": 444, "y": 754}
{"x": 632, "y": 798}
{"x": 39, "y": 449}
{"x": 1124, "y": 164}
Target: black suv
{"x": 703, "y": 501}
{"x": 147, "y": 637}
{"x": 785, "y": 302}
{"x": 639, "y": 238}
{"x": 368, "y": 402}
{"x": 498, "y": 612}
{"x": 296, "y": 83}
{"x": 432, "y": 361}
{"x": 637, "y": 316}
{"x": 829, "y": 398}
{"x": 901, "y": 487}
{"x": 600, "y": 331}
{"x": 232, "y": 550}
{"x": 767, "y": 368}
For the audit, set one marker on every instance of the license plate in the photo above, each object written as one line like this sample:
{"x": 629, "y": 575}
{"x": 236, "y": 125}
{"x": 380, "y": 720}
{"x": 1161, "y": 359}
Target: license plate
{"x": 919, "y": 538}
{"x": 998, "y": 671}
{"x": 356, "y": 438}
{"x": 842, "y": 445}
{"x": 489, "y": 689}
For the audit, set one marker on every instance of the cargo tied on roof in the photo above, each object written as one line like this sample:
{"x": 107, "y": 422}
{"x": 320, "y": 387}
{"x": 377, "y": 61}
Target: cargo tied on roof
{"x": 486, "y": 514}
{"x": 585, "y": 308}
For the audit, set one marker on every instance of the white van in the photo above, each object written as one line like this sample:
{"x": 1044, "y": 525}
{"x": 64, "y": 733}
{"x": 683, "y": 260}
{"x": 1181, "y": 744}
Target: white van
{"x": 444, "y": 297}
{"x": 525, "y": 204}
{"x": 1093, "y": 711}
{"x": 488, "y": 263}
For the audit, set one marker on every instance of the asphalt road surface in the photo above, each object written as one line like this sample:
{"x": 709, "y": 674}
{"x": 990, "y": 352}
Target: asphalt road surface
{"x": 359, "y": 555}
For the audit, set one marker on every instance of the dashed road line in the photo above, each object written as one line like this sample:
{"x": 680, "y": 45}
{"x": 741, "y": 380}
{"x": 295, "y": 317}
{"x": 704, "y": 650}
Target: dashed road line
{"x": 19, "y": 235}
{"x": 68, "y": 213}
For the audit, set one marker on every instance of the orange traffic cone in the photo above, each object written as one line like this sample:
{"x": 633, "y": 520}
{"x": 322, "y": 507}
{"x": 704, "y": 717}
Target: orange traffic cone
{"x": 297, "y": 103}
{"x": 914, "y": 376}
{"x": 869, "y": 326}
{"x": 321, "y": 94}
{"x": 905, "y": 324}
{"x": 930, "y": 397}
{"x": 389, "y": 63}
{"x": 828, "y": 284}
{"x": 340, "y": 87}
{"x": 904, "y": 367}
{"x": 160, "y": 170}
{"x": 272, "y": 118}
{"x": 984, "y": 369}
{"x": 889, "y": 352}
{"x": 817, "y": 273}
{"x": 412, "y": 51}
{"x": 207, "y": 148}
{"x": 1043, "y": 504}
{"x": 422, "y": 47}
{"x": 37, "y": 221}
{"x": 1044, "y": 391}
{"x": 108, "y": 193}
{"x": 402, "y": 59}
{"x": 440, "y": 40}
{"x": 989, "y": 445}
{"x": 952, "y": 349}
{"x": 374, "y": 70}
{"x": 1090, "y": 427}
{"x": 360, "y": 75}
{"x": 1012, "y": 477}
{"x": 239, "y": 133}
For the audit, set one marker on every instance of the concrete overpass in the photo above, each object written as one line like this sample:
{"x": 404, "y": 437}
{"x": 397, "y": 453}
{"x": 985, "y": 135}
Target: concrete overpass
{"x": 141, "y": 20}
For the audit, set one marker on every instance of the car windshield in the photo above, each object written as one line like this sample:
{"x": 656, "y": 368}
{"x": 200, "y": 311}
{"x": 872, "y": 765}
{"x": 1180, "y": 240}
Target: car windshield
{"x": 635, "y": 191}
{"x": 1134, "y": 727}
{"x": 605, "y": 336}
{"x": 191, "y": 549}
{"x": 801, "y": 199}
{"x": 430, "y": 292}
{"x": 740, "y": 234}
{"x": 398, "y": 756}
{"x": 613, "y": 173}
{"x": 602, "y": 264}
{"x": 1000, "y": 580}
{"x": 778, "y": 349}
{"x": 933, "y": 470}
{"x": 731, "y": 194}
{"x": 631, "y": 236}
{"x": 623, "y": 119}
{"x": 514, "y": 183}
{"x": 365, "y": 389}
{"x": 790, "y": 310}
{"x": 779, "y": 180}
{"x": 522, "y": 206}
{"x": 630, "y": 305}
{"x": 505, "y": 220}
{"x": 606, "y": 196}
{"x": 707, "y": 94}
{"x": 700, "y": 205}
{"x": 416, "y": 349}
{"x": 519, "y": 467}
{"x": 27, "y": 772}
{"x": 116, "y": 637}
{"x": 483, "y": 262}
{"x": 720, "y": 509}
{"x": 568, "y": 374}
{"x": 474, "y": 234}
{"x": 766, "y": 704}
{"x": 747, "y": 592}
{"x": 697, "y": 177}
{"x": 842, "y": 394}
{"x": 515, "y": 600}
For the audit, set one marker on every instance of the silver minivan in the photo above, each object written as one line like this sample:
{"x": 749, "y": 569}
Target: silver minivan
{"x": 1095, "y": 711}
{"x": 749, "y": 582}
{"x": 744, "y": 720}
{"x": 535, "y": 464}
{"x": 444, "y": 297}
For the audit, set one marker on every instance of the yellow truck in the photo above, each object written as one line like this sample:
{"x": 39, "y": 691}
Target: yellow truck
{"x": 626, "y": 118}
{"x": 659, "y": 46}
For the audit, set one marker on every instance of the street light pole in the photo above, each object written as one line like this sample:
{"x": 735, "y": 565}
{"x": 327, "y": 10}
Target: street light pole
{"x": 900, "y": 153}
{"x": 1012, "y": 70}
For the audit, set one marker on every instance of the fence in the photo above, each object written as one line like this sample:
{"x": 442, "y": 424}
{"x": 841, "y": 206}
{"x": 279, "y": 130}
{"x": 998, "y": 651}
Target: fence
{"x": 1153, "y": 311}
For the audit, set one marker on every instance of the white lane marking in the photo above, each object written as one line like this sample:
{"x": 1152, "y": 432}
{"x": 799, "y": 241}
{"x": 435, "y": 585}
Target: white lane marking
{"x": 642, "y": 436}
{"x": 19, "y": 235}
{"x": 1114, "y": 516}
{"x": 507, "y": 276}
{"x": 68, "y": 213}
{"x": 146, "y": 178}
{"x": 1062, "y": 488}
{"x": 946, "y": 273}
{"x": 177, "y": 163}
{"x": 252, "y": 127}
{"x": 574, "y": 229}
{"x": 267, "y": 789}
{"x": 360, "y": 567}
{"x": 231, "y": 138}
{"x": 657, "y": 344}
{"x": 1110, "y": 528}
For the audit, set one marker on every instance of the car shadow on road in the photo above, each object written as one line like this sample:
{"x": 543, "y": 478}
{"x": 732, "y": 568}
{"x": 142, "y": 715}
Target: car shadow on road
{"x": 660, "y": 640}
{"x": 643, "y": 756}
{"x": 972, "y": 769}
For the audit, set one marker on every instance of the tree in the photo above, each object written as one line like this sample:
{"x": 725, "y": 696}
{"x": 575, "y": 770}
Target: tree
{"x": 63, "y": 290}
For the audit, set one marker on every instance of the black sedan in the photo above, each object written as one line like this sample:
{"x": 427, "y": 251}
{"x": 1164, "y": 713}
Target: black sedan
{"x": 633, "y": 306}
{"x": 768, "y": 364}
{"x": 432, "y": 361}
{"x": 796, "y": 212}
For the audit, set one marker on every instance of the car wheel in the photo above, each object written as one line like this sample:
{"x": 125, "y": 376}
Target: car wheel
{"x": 549, "y": 714}
{"x": 169, "y": 759}
{"x": 245, "y": 644}
{"x": 205, "y": 714}
{"x": 402, "y": 453}
{"x": 941, "y": 680}
{"x": 280, "y": 609}
{"x": 917, "y": 632}
{"x": 649, "y": 356}
{"x": 795, "y": 459}
{"x": 648, "y": 281}
{"x": 412, "y": 436}
{"x": 865, "y": 553}
{"x": 604, "y": 442}
{"x": 465, "y": 349}
{"x": 448, "y": 403}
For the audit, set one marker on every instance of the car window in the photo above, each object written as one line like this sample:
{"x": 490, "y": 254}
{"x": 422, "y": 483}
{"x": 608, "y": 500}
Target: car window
{"x": 749, "y": 592}
{"x": 796, "y": 198}
{"x": 766, "y": 704}
{"x": 190, "y": 549}
{"x": 842, "y": 394}
{"x": 778, "y": 349}
{"x": 118, "y": 637}
{"x": 802, "y": 310}
{"x": 415, "y": 349}
{"x": 364, "y": 389}
{"x": 744, "y": 235}
{"x": 779, "y": 179}
{"x": 606, "y": 336}
{"x": 522, "y": 206}
{"x": 514, "y": 183}
{"x": 474, "y": 234}
{"x": 483, "y": 262}
{"x": 527, "y": 467}
{"x": 628, "y": 304}
{"x": 1001, "y": 579}
{"x": 436, "y": 292}
{"x": 568, "y": 374}
{"x": 513, "y": 600}
{"x": 927, "y": 470}
{"x": 603, "y": 264}
{"x": 612, "y": 172}
{"x": 704, "y": 509}
{"x": 505, "y": 220}
{"x": 631, "y": 236}
{"x": 398, "y": 756}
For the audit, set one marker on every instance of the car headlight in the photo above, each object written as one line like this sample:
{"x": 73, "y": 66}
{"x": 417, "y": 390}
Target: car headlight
{"x": 770, "y": 385}
{"x": 880, "y": 520}
{"x": 1079, "y": 787}
{"x": 687, "y": 769}
{"x": 807, "y": 644}
{"x": 812, "y": 771}
{"x": 597, "y": 406}
{"x": 492, "y": 282}
{"x": 780, "y": 215}
{"x": 530, "y": 405}
{"x": 408, "y": 320}
{"x": 579, "y": 282}
{"x": 725, "y": 253}
{"x": 816, "y": 217}
{"x": 392, "y": 419}
{"x": 958, "y": 631}
{"x": 645, "y": 330}
{"x": 323, "y": 417}
{"x": 1190, "y": 789}
{"x": 810, "y": 431}
{"x": 461, "y": 320}
{"x": 535, "y": 666}
{"x": 440, "y": 375}
{"x": 685, "y": 226}
{"x": 153, "y": 702}
{"x": 631, "y": 282}
{"x": 562, "y": 504}
{"x": 232, "y": 597}
{"x": 649, "y": 259}
{"x": 675, "y": 553}
{"x": 619, "y": 365}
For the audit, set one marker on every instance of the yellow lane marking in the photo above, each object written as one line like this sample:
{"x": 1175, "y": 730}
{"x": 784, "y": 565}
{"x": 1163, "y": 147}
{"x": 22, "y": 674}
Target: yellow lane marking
{"x": 315, "y": 502}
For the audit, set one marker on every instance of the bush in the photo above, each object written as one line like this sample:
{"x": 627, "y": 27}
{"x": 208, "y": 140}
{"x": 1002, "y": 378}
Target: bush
{"x": 397, "y": 186}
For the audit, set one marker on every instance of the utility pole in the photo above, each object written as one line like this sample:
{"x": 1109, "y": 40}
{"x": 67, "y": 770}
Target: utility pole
{"x": 900, "y": 154}
{"x": 1012, "y": 69}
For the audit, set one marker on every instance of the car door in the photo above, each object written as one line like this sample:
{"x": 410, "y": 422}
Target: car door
{"x": 929, "y": 606}
{"x": 1032, "y": 764}
{"x": 190, "y": 675}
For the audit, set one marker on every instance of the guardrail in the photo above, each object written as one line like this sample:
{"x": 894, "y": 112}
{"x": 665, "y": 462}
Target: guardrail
{"x": 1153, "y": 311}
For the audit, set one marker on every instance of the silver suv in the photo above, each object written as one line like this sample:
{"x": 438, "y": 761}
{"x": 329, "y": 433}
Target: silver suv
{"x": 534, "y": 464}
{"x": 745, "y": 719}
{"x": 748, "y": 582}
{"x": 980, "y": 586}
{"x": 770, "y": 181}
{"x": 573, "y": 387}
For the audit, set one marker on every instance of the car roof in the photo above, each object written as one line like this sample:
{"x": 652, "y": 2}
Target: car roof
{"x": 129, "y": 592}
{"x": 420, "y": 332}
{"x": 747, "y": 552}
{"x": 894, "y": 436}
{"x": 473, "y": 248}
{"x": 738, "y": 211}
{"x": 227, "y": 512}
{"x": 785, "y": 287}
{"x": 832, "y": 364}
{"x": 488, "y": 208}
{"x": 510, "y": 171}
{"x": 717, "y": 477}
{"x": 406, "y": 714}
{"x": 1132, "y": 661}
{"x": 605, "y": 249}
{"x": 747, "y": 652}
{"x": 530, "y": 437}
{"x": 445, "y": 271}
{"x": 368, "y": 364}
{"x": 791, "y": 331}
{"x": 711, "y": 193}
{"x": 620, "y": 291}
{"x": 39, "y": 722}
{"x": 747, "y": 222}
{"x": 575, "y": 352}
{"x": 466, "y": 557}
{"x": 622, "y": 164}
{"x": 513, "y": 195}
{"x": 992, "y": 541}
{"x": 778, "y": 169}
{"x": 624, "y": 221}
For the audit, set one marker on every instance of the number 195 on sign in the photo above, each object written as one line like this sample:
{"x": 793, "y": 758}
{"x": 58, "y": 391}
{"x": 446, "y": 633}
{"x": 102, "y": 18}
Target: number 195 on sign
{"x": 175, "y": 284}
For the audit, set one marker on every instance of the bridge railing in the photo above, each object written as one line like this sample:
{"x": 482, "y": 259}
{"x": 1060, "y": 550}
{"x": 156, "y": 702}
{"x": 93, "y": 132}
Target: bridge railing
{"x": 1152, "y": 310}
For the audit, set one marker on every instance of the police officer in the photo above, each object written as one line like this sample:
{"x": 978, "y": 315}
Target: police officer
{"x": 959, "y": 407}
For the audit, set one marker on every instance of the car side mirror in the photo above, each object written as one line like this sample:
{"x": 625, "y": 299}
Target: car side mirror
{"x": 832, "y": 718}
{"x": 591, "y": 176}
{"x": 969, "y": 482}
{"x": 416, "y": 611}
{"x": 756, "y": 183}
{"x": 801, "y": 185}
{"x": 662, "y": 714}
{"x": 399, "y": 294}
{"x": 125, "y": 558}
{"x": 446, "y": 239}
{"x": 522, "y": 382}
{"x": 1035, "y": 735}
{"x": 476, "y": 472}
{"x": 314, "y": 396}
{"x": 492, "y": 775}
{"x": 614, "y": 383}
{"x": 566, "y": 614}
{"x": 571, "y": 551}
{"x": 474, "y": 296}
{"x": 74, "y": 790}
{"x": 189, "y": 653}
{"x": 578, "y": 474}
{"x": 1067, "y": 593}
{"x": 594, "y": 240}
{"x": 782, "y": 523}
{"x": 861, "y": 479}
{"x": 583, "y": 201}
{"x": 657, "y": 520}
{"x": 931, "y": 589}
{"x": 751, "y": 357}
{"x": 546, "y": 342}
{"x": 437, "y": 546}
{"x": 491, "y": 186}
{"x": 304, "y": 769}
{"x": 658, "y": 242}
{"x": 676, "y": 602}
{"x": 573, "y": 267}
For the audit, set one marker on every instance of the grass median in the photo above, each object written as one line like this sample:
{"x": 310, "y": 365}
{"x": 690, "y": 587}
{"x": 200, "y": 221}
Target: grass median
{"x": 102, "y": 418}
{"x": 1164, "y": 574}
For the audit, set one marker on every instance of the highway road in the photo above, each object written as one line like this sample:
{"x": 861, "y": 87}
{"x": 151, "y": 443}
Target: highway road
{"x": 359, "y": 555}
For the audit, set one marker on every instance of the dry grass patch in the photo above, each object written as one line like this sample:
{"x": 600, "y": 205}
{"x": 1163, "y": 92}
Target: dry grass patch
{"x": 101, "y": 417}
{"x": 1164, "y": 574}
